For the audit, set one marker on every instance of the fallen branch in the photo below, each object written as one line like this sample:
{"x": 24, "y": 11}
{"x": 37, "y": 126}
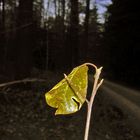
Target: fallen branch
{"x": 21, "y": 81}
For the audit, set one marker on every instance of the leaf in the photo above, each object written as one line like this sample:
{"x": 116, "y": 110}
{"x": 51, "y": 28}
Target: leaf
{"x": 69, "y": 94}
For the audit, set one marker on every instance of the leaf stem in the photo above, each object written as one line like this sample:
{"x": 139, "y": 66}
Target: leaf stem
{"x": 96, "y": 85}
{"x": 90, "y": 64}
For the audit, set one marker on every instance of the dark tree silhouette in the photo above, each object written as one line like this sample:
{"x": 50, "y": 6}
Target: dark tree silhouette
{"x": 2, "y": 35}
{"x": 121, "y": 37}
{"x": 23, "y": 50}
{"x": 74, "y": 30}
{"x": 86, "y": 26}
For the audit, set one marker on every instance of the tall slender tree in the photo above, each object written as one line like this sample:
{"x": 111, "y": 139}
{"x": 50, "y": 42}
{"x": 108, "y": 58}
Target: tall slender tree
{"x": 63, "y": 15}
{"x": 86, "y": 27}
{"x": 2, "y": 33}
{"x": 74, "y": 32}
{"x": 23, "y": 50}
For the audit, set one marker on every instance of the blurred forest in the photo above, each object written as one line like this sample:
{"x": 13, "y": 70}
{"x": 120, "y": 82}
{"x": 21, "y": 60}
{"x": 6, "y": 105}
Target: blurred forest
{"x": 57, "y": 35}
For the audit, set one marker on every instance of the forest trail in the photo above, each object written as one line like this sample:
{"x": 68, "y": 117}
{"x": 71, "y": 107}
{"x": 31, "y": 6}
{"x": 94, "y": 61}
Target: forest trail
{"x": 128, "y": 93}
{"x": 126, "y": 98}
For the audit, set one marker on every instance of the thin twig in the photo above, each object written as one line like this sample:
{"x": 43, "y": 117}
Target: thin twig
{"x": 100, "y": 83}
{"x": 96, "y": 85}
{"x": 90, "y": 64}
{"x": 21, "y": 81}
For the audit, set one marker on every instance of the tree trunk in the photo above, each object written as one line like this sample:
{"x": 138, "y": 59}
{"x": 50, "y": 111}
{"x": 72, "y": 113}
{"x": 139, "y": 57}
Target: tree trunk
{"x": 86, "y": 28}
{"x": 59, "y": 8}
{"x": 55, "y": 8}
{"x": 74, "y": 25}
{"x": 2, "y": 35}
{"x": 23, "y": 50}
{"x": 63, "y": 15}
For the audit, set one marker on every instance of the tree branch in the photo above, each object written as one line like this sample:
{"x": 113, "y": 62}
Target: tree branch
{"x": 21, "y": 81}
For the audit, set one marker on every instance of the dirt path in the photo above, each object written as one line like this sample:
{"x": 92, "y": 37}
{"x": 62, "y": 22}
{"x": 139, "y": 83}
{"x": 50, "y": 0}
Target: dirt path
{"x": 128, "y": 93}
{"x": 127, "y": 99}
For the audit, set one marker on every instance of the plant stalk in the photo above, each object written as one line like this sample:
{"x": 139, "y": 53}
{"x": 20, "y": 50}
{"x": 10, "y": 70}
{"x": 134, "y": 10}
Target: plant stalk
{"x": 96, "y": 85}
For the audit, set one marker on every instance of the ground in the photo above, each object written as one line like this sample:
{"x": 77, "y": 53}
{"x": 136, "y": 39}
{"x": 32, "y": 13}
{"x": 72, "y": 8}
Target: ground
{"x": 24, "y": 115}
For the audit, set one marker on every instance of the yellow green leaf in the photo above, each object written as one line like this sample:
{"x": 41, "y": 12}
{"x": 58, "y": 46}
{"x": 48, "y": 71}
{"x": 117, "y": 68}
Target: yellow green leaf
{"x": 69, "y": 94}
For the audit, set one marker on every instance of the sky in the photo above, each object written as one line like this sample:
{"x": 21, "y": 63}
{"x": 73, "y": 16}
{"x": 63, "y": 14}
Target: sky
{"x": 101, "y": 6}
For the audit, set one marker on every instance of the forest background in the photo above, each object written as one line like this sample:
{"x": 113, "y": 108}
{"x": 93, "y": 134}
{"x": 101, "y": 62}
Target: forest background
{"x": 57, "y": 35}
